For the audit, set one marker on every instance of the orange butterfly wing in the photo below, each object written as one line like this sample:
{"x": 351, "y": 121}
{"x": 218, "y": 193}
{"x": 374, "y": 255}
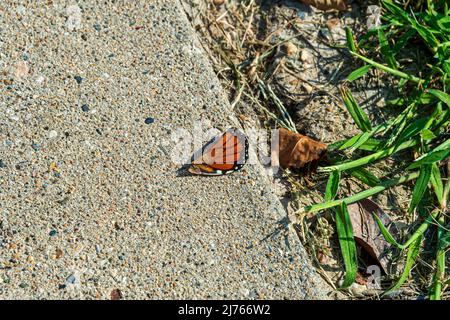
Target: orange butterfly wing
{"x": 222, "y": 155}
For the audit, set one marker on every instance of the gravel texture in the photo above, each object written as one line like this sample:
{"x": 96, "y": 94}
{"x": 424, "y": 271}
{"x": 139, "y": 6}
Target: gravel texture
{"x": 91, "y": 204}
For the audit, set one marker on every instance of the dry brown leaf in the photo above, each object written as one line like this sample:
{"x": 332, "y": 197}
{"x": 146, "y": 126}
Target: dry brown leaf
{"x": 296, "y": 150}
{"x": 327, "y": 4}
{"x": 366, "y": 231}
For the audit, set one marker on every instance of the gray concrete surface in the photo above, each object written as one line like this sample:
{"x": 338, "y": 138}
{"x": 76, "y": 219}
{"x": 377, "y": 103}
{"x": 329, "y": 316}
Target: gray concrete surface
{"x": 90, "y": 200}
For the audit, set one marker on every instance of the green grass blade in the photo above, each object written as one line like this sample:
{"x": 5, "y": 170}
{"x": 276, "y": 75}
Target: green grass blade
{"x": 420, "y": 187}
{"x": 386, "y": 234}
{"x": 372, "y": 145}
{"x": 358, "y": 73}
{"x": 436, "y": 182}
{"x": 347, "y": 244}
{"x": 332, "y": 185}
{"x": 356, "y": 142}
{"x": 403, "y": 40}
{"x": 368, "y": 159}
{"x": 444, "y": 240}
{"x": 418, "y": 233}
{"x": 439, "y": 276}
{"x": 413, "y": 252}
{"x": 350, "y": 40}
{"x": 412, "y": 130}
{"x": 379, "y": 128}
{"x": 358, "y": 115}
{"x": 388, "y": 69}
{"x": 365, "y": 176}
{"x": 386, "y": 50}
{"x": 397, "y": 11}
{"x": 362, "y": 195}
{"x": 435, "y": 155}
{"x": 440, "y": 95}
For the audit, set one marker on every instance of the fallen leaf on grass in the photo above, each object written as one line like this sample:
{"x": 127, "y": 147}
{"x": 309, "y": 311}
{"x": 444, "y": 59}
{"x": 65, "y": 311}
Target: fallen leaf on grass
{"x": 296, "y": 150}
{"x": 327, "y": 4}
{"x": 367, "y": 233}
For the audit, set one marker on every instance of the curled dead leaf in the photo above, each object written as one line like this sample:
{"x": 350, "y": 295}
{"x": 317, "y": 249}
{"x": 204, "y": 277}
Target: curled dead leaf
{"x": 296, "y": 150}
{"x": 367, "y": 233}
{"x": 327, "y": 4}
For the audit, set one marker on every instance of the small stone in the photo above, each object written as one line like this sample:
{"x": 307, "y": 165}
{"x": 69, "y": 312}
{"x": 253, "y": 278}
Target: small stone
{"x": 35, "y": 146}
{"x": 307, "y": 87}
{"x": 85, "y": 108}
{"x": 149, "y": 120}
{"x": 97, "y": 27}
{"x": 2, "y": 164}
{"x": 358, "y": 290}
{"x": 52, "y": 134}
{"x": 61, "y": 286}
{"x": 116, "y": 294}
{"x": 23, "y": 285}
{"x": 373, "y": 16}
{"x": 306, "y": 57}
{"x": 98, "y": 249}
{"x": 290, "y": 49}
{"x": 40, "y": 79}
{"x": 53, "y": 233}
{"x": 325, "y": 33}
{"x": 218, "y": 2}
{"x": 78, "y": 79}
{"x": 302, "y": 15}
{"x": 71, "y": 279}
{"x": 58, "y": 253}
{"x": 22, "y": 69}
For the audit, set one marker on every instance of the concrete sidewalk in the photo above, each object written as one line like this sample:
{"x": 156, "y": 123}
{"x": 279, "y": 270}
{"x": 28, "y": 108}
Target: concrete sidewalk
{"x": 90, "y": 202}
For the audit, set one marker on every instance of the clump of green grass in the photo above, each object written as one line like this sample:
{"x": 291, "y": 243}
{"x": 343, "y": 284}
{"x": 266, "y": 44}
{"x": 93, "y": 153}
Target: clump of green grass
{"x": 412, "y": 48}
